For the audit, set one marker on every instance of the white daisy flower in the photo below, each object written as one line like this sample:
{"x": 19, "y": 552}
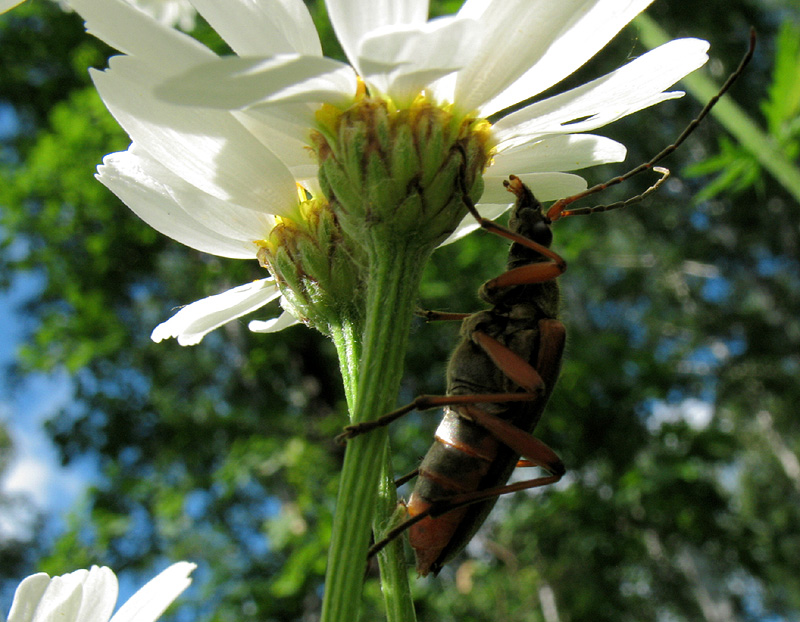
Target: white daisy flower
{"x": 220, "y": 143}
{"x": 91, "y": 595}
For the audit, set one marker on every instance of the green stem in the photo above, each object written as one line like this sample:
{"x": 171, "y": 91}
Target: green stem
{"x": 391, "y": 560}
{"x": 347, "y": 339}
{"x": 393, "y": 569}
{"x": 393, "y": 285}
{"x": 731, "y": 116}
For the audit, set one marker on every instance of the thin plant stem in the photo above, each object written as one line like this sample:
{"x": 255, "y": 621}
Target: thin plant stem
{"x": 347, "y": 340}
{"x": 394, "y": 574}
{"x": 393, "y": 284}
{"x": 391, "y": 561}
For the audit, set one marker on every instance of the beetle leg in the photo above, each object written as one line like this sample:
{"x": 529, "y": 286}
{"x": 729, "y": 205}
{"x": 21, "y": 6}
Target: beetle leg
{"x": 439, "y": 316}
{"x": 510, "y": 363}
{"x": 551, "y": 345}
{"x": 552, "y": 336}
{"x": 438, "y": 508}
{"x": 405, "y": 478}
{"x": 523, "y": 443}
{"x": 536, "y": 452}
{"x": 426, "y": 402}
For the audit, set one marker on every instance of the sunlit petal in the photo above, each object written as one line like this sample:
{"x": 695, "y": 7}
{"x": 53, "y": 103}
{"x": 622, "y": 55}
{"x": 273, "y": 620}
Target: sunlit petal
{"x": 262, "y": 28}
{"x": 27, "y": 597}
{"x": 152, "y": 599}
{"x": 195, "y": 321}
{"x": 609, "y": 98}
{"x": 176, "y": 209}
{"x": 208, "y": 148}
{"x": 284, "y": 320}
{"x": 100, "y": 591}
{"x": 280, "y": 128}
{"x": 401, "y": 60}
{"x": 234, "y": 82}
{"x": 90, "y": 596}
{"x": 133, "y": 32}
{"x": 179, "y": 13}
{"x": 62, "y": 598}
{"x": 351, "y": 22}
{"x": 529, "y": 45}
{"x": 566, "y": 152}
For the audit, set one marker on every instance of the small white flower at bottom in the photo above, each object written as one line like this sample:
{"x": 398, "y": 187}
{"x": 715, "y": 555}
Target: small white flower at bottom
{"x": 90, "y": 596}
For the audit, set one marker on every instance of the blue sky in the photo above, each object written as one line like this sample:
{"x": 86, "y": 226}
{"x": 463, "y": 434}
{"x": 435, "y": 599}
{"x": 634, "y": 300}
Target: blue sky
{"x": 35, "y": 469}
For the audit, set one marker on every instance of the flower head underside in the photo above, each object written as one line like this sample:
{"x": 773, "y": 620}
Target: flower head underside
{"x": 220, "y": 144}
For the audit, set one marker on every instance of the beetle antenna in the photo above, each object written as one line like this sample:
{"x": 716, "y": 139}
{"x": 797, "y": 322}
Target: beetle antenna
{"x": 558, "y": 209}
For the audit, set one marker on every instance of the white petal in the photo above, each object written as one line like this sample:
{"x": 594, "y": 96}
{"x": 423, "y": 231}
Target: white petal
{"x": 284, "y": 320}
{"x": 61, "y": 601}
{"x": 208, "y": 148}
{"x": 545, "y": 186}
{"x": 261, "y": 28}
{"x": 27, "y": 597}
{"x": 133, "y": 32}
{"x": 635, "y": 86}
{"x": 532, "y": 44}
{"x": 100, "y": 591}
{"x": 180, "y": 211}
{"x": 232, "y": 82}
{"x": 152, "y": 599}
{"x": 352, "y": 21}
{"x": 496, "y": 199}
{"x": 83, "y": 595}
{"x": 565, "y": 152}
{"x": 5, "y": 5}
{"x": 177, "y": 13}
{"x": 196, "y": 320}
{"x": 401, "y": 60}
{"x": 276, "y": 126}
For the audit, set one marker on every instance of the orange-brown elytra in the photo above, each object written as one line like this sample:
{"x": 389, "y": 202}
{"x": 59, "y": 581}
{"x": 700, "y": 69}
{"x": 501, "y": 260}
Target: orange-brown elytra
{"x": 500, "y": 376}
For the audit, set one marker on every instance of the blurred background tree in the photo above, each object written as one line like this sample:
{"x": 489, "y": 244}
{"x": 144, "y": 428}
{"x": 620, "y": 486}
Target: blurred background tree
{"x": 676, "y": 413}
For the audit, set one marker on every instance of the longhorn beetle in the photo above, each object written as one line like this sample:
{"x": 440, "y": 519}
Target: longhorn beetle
{"x": 501, "y": 375}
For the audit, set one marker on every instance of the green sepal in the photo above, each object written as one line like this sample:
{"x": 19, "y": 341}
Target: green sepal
{"x": 405, "y": 162}
{"x": 338, "y": 186}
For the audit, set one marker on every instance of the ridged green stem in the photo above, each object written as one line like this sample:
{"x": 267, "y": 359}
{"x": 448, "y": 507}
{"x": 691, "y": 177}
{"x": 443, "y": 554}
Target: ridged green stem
{"x": 347, "y": 339}
{"x": 395, "y": 271}
{"x": 391, "y": 560}
{"x": 393, "y": 568}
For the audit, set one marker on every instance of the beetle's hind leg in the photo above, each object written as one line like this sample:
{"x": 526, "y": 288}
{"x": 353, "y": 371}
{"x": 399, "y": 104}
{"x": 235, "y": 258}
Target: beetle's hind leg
{"x": 535, "y": 451}
{"x": 426, "y": 402}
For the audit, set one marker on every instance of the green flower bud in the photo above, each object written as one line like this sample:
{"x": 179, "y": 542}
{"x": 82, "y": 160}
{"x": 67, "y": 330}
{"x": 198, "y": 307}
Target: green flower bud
{"x": 389, "y": 173}
{"x": 318, "y": 269}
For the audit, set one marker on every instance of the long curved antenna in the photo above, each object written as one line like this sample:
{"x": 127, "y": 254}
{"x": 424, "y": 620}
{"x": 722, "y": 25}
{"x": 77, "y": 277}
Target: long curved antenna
{"x": 558, "y": 209}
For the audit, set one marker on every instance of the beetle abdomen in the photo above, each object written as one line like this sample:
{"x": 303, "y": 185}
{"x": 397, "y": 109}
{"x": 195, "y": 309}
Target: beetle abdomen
{"x": 456, "y": 463}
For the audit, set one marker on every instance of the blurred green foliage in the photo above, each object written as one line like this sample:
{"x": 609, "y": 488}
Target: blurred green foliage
{"x": 737, "y": 168}
{"x": 676, "y": 413}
